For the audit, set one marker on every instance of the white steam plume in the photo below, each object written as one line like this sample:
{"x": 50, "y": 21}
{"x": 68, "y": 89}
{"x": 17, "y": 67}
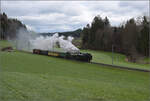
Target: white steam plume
{"x": 22, "y": 40}
{"x": 27, "y": 41}
{"x": 50, "y": 43}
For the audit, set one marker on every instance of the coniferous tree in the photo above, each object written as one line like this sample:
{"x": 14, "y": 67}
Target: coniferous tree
{"x": 9, "y": 27}
{"x": 143, "y": 40}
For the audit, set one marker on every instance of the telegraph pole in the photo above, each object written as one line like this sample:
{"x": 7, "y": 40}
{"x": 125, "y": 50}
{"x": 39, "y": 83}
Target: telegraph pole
{"x": 112, "y": 53}
{"x": 16, "y": 45}
{"x": 28, "y": 45}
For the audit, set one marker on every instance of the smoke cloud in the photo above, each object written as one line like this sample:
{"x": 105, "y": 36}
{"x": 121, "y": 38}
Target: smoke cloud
{"x": 54, "y": 42}
{"x": 28, "y": 40}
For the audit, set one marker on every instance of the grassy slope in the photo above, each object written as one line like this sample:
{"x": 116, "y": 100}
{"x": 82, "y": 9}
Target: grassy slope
{"x": 4, "y": 44}
{"x": 119, "y": 59}
{"x": 28, "y": 77}
{"x": 105, "y": 57}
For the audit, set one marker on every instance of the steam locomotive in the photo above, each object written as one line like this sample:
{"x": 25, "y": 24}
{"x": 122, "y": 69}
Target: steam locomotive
{"x": 73, "y": 56}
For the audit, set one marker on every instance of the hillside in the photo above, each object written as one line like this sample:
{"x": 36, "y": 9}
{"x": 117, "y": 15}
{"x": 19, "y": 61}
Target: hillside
{"x": 76, "y": 33}
{"x": 29, "y": 77}
{"x": 106, "y": 58}
{"x": 118, "y": 59}
{"x": 9, "y": 27}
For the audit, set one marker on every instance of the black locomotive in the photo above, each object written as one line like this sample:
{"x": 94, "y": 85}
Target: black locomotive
{"x": 74, "y": 56}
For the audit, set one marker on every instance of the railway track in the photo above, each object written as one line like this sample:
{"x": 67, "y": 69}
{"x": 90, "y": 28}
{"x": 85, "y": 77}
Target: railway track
{"x": 121, "y": 67}
{"x": 108, "y": 65}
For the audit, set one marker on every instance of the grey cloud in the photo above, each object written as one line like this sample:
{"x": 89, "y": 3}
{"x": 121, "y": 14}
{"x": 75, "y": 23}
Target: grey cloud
{"x": 69, "y": 15}
{"x": 136, "y": 5}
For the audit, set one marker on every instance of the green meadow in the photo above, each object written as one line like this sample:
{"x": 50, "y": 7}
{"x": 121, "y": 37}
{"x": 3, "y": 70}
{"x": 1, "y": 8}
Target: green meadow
{"x": 118, "y": 59}
{"x": 30, "y": 77}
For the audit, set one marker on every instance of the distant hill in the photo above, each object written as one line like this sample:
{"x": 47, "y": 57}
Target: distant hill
{"x": 9, "y": 27}
{"x": 75, "y": 33}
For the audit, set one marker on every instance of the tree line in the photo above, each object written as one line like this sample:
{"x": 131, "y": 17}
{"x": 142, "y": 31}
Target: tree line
{"x": 131, "y": 38}
{"x": 9, "y": 27}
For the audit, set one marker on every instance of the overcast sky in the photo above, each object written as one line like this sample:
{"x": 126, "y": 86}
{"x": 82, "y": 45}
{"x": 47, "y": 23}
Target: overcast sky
{"x": 55, "y": 16}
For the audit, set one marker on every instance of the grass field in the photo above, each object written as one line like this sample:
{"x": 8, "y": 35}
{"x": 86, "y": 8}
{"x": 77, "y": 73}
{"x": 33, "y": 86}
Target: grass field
{"x": 105, "y": 57}
{"x": 119, "y": 59}
{"x": 29, "y": 77}
{"x": 4, "y": 44}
